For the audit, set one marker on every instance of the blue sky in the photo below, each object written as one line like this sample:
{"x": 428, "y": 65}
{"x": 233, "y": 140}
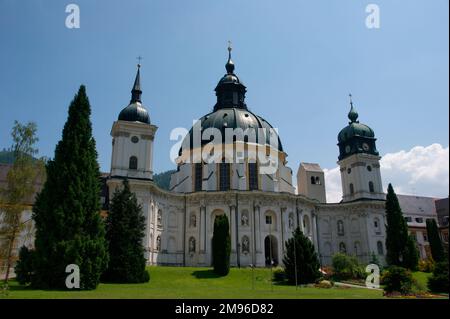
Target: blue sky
{"x": 298, "y": 59}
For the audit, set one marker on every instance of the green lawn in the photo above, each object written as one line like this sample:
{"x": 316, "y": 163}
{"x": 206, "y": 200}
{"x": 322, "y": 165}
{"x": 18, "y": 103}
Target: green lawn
{"x": 186, "y": 282}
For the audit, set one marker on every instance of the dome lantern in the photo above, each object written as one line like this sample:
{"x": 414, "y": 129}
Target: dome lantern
{"x": 230, "y": 91}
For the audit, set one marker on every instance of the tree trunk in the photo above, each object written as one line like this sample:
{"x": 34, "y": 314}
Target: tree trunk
{"x": 10, "y": 249}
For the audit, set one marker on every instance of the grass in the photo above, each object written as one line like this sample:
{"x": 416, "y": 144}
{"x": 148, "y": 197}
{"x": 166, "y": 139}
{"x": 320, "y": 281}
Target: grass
{"x": 191, "y": 283}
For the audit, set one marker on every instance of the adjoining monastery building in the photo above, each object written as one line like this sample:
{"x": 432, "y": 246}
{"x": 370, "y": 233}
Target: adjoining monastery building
{"x": 262, "y": 207}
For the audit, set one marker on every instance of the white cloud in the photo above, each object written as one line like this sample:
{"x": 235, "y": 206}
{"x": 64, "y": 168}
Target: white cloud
{"x": 333, "y": 185}
{"x": 422, "y": 171}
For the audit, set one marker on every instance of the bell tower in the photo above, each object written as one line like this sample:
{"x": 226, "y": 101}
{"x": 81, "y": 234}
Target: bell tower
{"x": 359, "y": 161}
{"x": 132, "y": 139}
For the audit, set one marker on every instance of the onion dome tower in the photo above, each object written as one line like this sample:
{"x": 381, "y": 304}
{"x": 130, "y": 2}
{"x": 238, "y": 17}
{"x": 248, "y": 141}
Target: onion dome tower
{"x": 135, "y": 111}
{"x": 133, "y": 135}
{"x": 359, "y": 160}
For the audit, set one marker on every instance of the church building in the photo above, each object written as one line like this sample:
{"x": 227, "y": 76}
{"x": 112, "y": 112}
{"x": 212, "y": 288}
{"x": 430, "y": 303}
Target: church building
{"x": 258, "y": 197}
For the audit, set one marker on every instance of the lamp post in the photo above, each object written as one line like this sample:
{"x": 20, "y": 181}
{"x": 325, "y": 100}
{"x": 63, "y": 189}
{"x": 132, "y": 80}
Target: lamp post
{"x": 253, "y": 276}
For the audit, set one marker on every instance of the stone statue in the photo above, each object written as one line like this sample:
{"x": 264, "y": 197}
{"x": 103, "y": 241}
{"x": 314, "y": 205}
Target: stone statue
{"x": 158, "y": 243}
{"x": 192, "y": 245}
{"x": 193, "y": 221}
{"x": 291, "y": 222}
{"x": 245, "y": 244}
{"x": 159, "y": 218}
{"x": 244, "y": 219}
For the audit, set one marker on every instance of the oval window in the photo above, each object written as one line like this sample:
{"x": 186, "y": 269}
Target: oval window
{"x": 135, "y": 139}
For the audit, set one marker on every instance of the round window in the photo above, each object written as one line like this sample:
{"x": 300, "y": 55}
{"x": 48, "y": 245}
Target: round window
{"x": 134, "y": 139}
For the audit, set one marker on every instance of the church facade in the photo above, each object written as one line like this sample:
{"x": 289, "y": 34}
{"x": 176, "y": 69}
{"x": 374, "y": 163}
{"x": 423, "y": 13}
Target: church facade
{"x": 256, "y": 195}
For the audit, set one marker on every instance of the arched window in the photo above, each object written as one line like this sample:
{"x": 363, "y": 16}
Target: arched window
{"x": 342, "y": 248}
{"x": 371, "y": 189}
{"x": 380, "y": 248}
{"x": 340, "y": 228}
{"x": 313, "y": 180}
{"x": 133, "y": 162}
{"x": 198, "y": 176}
{"x": 376, "y": 225}
{"x": 317, "y": 180}
{"x": 352, "y": 190}
{"x": 306, "y": 225}
{"x": 224, "y": 176}
{"x": 252, "y": 176}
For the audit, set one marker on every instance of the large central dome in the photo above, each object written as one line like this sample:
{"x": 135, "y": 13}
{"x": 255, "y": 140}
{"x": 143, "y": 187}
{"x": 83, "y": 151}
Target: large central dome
{"x": 231, "y": 111}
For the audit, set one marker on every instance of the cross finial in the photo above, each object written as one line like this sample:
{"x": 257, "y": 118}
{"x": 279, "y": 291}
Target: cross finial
{"x": 139, "y": 58}
{"x": 229, "y": 46}
{"x": 351, "y": 101}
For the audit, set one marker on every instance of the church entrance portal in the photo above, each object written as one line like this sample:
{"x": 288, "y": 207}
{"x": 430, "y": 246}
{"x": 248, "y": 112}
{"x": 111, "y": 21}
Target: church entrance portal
{"x": 271, "y": 250}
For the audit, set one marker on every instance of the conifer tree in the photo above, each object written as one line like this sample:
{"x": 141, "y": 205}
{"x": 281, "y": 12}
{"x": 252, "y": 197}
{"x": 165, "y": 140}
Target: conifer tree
{"x": 69, "y": 229}
{"x": 401, "y": 248}
{"x": 437, "y": 249}
{"x": 125, "y": 227}
{"x": 300, "y": 261}
{"x": 221, "y": 245}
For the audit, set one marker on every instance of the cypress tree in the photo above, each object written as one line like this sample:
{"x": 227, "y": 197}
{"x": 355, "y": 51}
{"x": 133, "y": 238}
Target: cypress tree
{"x": 125, "y": 227}
{"x": 410, "y": 254}
{"x": 69, "y": 229}
{"x": 221, "y": 245}
{"x": 437, "y": 250}
{"x": 401, "y": 248}
{"x": 300, "y": 261}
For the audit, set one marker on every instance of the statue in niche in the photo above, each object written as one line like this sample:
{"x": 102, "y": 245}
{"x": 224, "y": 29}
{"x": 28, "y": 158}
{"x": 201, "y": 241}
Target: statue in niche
{"x": 192, "y": 245}
{"x": 245, "y": 245}
{"x": 159, "y": 218}
{"x": 193, "y": 221}
{"x": 340, "y": 227}
{"x": 158, "y": 243}
{"x": 244, "y": 219}
{"x": 291, "y": 222}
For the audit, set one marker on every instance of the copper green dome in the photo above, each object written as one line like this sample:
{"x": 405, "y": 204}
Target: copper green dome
{"x": 231, "y": 111}
{"x": 354, "y": 128}
{"x": 356, "y": 137}
{"x": 135, "y": 111}
{"x": 235, "y": 118}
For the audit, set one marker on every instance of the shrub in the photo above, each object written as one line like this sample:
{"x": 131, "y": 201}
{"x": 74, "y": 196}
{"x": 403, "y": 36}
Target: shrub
{"x": 397, "y": 279}
{"x": 347, "y": 267}
{"x": 324, "y": 284}
{"x": 24, "y": 266}
{"x": 426, "y": 265}
{"x": 374, "y": 260}
{"x": 279, "y": 275}
{"x": 438, "y": 282}
{"x": 300, "y": 260}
